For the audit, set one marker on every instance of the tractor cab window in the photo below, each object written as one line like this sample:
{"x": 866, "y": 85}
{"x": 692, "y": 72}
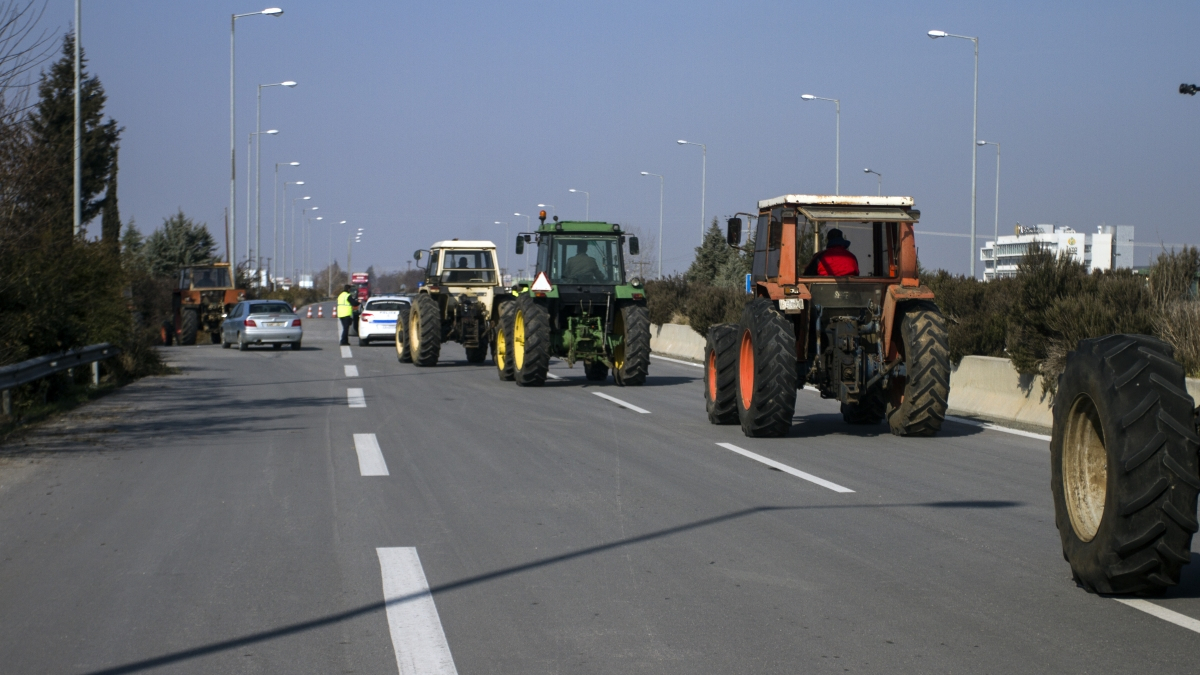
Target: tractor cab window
{"x": 586, "y": 260}
{"x": 431, "y": 268}
{"x": 463, "y": 266}
{"x": 206, "y": 277}
{"x": 761, "y": 239}
{"x": 875, "y": 245}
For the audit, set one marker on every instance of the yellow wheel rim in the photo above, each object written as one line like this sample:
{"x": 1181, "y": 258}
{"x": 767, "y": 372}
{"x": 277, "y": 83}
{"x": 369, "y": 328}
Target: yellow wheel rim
{"x": 500, "y": 350}
{"x": 618, "y": 356}
{"x": 519, "y": 339}
{"x": 414, "y": 332}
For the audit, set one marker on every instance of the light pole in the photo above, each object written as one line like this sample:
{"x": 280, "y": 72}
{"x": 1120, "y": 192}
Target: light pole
{"x": 837, "y": 159}
{"x": 933, "y": 35}
{"x": 660, "y": 218}
{"x": 275, "y": 214}
{"x": 78, "y": 149}
{"x": 270, "y": 11}
{"x": 292, "y": 254}
{"x": 587, "y": 204}
{"x": 703, "y": 183}
{"x": 329, "y": 269}
{"x": 249, "y": 223}
{"x": 283, "y": 228}
{"x": 258, "y": 166}
{"x": 554, "y": 211}
{"x": 506, "y": 246}
{"x": 310, "y": 264}
{"x": 879, "y": 186}
{"x": 305, "y": 239}
{"x": 997, "y": 227}
{"x": 355, "y": 238}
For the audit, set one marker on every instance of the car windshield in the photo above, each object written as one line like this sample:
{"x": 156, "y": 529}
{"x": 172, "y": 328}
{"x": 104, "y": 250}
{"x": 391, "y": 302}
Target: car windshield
{"x": 466, "y": 266}
{"x": 586, "y": 260}
{"x": 384, "y": 306}
{"x": 270, "y": 308}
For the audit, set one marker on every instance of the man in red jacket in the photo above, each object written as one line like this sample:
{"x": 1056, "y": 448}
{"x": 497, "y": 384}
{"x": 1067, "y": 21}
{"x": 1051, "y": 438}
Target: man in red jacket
{"x": 836, "y": 260}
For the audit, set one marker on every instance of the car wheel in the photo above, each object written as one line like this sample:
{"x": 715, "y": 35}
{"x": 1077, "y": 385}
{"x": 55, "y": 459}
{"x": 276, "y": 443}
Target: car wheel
{"x": 296, "y": 346}
{"x": 242, "y": 345}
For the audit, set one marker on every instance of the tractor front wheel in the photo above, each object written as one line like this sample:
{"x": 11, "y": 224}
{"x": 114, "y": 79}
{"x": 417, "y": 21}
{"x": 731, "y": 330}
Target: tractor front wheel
{"x": 921, "y": 407}
{"x": 403, "y": 355}
{"x": 766, "y": 395}
{"x": 631, "y": 358}
{"x": 189, "y": 327}
{"x": 502, "y": 341}
{"x": 425, "y": 330}
{"x": 530, "y": 343}
{"x": 720, "y": 373}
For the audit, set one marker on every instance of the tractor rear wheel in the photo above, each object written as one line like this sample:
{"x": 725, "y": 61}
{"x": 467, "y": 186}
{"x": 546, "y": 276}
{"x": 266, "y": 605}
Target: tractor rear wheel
{"x": 502, "y": 341}
{"x": 1123, "y": 465}
{"x": 403, "y": 355}
{"x": 720, "y": 373}
{"x": 870, "y": 410}
{"x": 477, "y": 354}
{"x": 766, "y": 396}
{"x": 530, "y": 342}
{"x": 631, "y": 358}
{"x": 921, "y": 407}
{"x": 189, "y": 326}
{"x": 425, "y": 330}
{"x": 596, "y": 371}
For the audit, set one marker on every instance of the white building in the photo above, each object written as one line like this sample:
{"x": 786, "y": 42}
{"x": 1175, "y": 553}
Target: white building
{"x": 1109, "y": 248}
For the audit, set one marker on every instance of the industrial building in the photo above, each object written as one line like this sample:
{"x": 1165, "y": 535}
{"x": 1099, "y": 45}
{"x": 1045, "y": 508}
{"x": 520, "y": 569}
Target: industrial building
{"x": 1110, "y": 247}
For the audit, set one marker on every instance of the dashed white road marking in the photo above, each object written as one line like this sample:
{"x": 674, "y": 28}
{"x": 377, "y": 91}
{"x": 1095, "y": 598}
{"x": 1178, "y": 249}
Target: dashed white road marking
{"x": 1163, "y": 613}
{"x": 686, "y": 363}
{"x": 785, "y": 468}
{"x": 997, "y": 427}
{"x": 355, "y": 398}
{"x": 623, "y": 404}
{"x": 351, "y": 371}
{"x": 553, "y": 376}
{"x": 346, "y": 352}
{"x": 370, "y": 457}
{"x": 417, "y": 635}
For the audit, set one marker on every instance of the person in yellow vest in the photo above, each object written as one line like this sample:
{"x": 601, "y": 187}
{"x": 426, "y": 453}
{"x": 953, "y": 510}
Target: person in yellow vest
{"x": 346, "y": 302}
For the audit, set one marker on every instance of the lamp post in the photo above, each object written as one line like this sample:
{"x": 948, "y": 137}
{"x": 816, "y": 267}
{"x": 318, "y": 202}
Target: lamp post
{"x": 997, "y": 225}
{"x": 305, "y": 239}
{"x": 660, "y": 218}
{"x": 275, "y": 214}
{"x": 879, "y": 186}
{"x": 291, "y": 256}
{"x": 355, "y": 238}
{"x": 310, "y": 265}
{"x": 258, "y": 166}
{"x": 249, "y": 224}
{"x": 587, "y": 204}
{"x": 505, "y": 224}
{"x": 329, "y": 269}
{"x": 837, "y": 158}
{"x": 77, "y": 152}
{"x": 703, "y": 182}
{"x": 554, "y": 211}
{"x": 283, "y": 227}
{"x": 270, "y": 11}
{"x": 933, "y": 35}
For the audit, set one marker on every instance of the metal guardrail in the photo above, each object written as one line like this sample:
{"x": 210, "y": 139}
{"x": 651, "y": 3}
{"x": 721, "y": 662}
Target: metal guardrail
{"x": 35, "y": 369}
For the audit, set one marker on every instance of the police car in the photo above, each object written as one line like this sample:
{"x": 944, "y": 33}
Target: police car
{"x": 377, "y": 319}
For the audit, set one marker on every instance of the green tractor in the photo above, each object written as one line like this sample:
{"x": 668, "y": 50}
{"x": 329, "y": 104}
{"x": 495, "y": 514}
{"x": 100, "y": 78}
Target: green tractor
{"x": 579, "y": 307}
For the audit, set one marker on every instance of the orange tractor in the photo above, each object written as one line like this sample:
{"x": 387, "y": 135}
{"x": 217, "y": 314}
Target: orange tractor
{"x": 203, "y": 295}
{"x": 870, "y": 337}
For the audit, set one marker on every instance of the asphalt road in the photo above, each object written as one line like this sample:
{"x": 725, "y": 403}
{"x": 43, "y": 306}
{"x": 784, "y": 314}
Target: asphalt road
{"x": 219, "y": 521}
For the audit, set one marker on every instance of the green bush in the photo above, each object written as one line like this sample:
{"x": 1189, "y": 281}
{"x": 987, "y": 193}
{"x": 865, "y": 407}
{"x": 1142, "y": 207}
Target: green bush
{"x": 707, "y": 305}
{"x": 976, "y": 312}
{"x": 665, "y": 299}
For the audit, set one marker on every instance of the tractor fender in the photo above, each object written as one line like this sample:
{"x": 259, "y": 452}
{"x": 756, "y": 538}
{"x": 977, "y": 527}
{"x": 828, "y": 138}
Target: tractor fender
{"x": 895, "y": 300}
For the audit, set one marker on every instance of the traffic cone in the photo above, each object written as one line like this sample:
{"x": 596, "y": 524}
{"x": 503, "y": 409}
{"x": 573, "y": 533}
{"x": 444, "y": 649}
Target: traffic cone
{"x": 320, "y": 311}
{"x": 309, "y": 312}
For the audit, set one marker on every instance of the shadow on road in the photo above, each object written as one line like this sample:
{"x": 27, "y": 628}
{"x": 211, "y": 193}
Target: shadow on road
{"x": 829, "y": 424}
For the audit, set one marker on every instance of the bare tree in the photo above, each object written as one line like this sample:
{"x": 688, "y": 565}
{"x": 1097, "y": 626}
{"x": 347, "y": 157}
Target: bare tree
{"x": 24, "y": 46}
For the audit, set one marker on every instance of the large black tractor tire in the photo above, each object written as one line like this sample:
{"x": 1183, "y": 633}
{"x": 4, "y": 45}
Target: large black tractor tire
{"x": 425, "y": 330}
{"x": 1124, "y": 465}
{"x": 477, "y": 354}
{"x": 402, "y": 353}
{"x": 189, "y": 327}
{"x": 766, "y": 395}
{"x": 631, "y": 360}
{"x": 870, "y": 410}
{"x": 921, "y": 405}
{"x": 720, "y": 373}
{"x": 502, "y": 341}
{"x": 596, "y": 371}
{"x": 530, "y": 342}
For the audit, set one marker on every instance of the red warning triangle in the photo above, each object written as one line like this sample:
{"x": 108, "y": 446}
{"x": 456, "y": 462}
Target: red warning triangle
{"x": 541, "y": 283}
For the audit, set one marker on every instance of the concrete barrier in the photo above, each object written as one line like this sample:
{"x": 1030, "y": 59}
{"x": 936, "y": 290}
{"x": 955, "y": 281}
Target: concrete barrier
{"x": 677, "y": 341}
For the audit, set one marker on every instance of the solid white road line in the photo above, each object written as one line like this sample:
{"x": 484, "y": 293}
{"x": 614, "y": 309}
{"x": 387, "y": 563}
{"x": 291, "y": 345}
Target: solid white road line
{"x": 346, "y": 352}
{"x": 785, "y": 468}
{"x": 355, "y": 398}
{"x": 1163, "y": 613}
{"x": 370, "y": 457}
{"x": 621, "y": 403}
{"x": 686, "y": 363}
{"x": 351, "y": 371}
{"x": 417, "y": 635}
{"x": 553, "y": 376}
{"x": 997, "y": 427}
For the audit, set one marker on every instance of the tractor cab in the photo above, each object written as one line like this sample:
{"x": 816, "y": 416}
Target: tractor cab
{"x": 578, "y": 260}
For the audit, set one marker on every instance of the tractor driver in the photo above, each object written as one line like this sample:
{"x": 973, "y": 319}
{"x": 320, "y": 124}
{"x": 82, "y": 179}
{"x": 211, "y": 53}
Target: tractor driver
{"x": 583, "y": 267}
{"x": 836, "y": 260}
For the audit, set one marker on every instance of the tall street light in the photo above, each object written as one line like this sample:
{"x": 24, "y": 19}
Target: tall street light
{"x": 275, "y": 213}
{"x": 329, "y": 269}
{"x": 507, "y": 246}
{"x": 305, "y": 237}
{"x": 933, "y": 35}
{"x": 270, "y": 11}
{"x": 553, "y": 211}
{"x": 703, "y": 182}
{"x": 660, "y": 218}
{"x": 310, "y": 264}
{"x": 355, "y": 238}
{"x": 78, "y": 150}
{"x": 249, "y": 223}
{"x": 291, "y": 255}
{"x": 258, "y": 166}
{"x": 283, "y": 228}
{"x": 879, "y": 185}
{"x": 587, "y": 204}
{"x": 982, "y": 143}
{"x": 837, "y": 159}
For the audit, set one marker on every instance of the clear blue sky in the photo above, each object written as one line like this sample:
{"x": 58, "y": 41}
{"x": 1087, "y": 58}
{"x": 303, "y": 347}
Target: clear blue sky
{"x": 421, "y": 121}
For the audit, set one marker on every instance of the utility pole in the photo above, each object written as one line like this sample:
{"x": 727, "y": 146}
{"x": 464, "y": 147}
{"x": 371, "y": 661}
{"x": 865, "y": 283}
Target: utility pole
{"x": 78, "y": 152}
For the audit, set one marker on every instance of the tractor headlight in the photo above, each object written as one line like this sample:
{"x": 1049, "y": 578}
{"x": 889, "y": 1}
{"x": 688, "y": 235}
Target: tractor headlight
{"x": 636, "y": 282}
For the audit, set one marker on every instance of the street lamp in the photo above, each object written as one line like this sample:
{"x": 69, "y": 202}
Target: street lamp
{"x": 292, "y": 254}
{"x": 587, "y": 204}
{"x": 275, "y": 213}
{"x": 879, "y": 187}
{"x": 997, "y": 226}
{"x": 78, "y": 149}
{"x": 258, "y": 167}
{"x": 284, "y": 227}
{"x": 837, "y": 161}
{"x": 306, "y": 240}
{"x": 660, "y": 218}
{"x": 249, "y": 230}
{"x": 270, "y": 11}
{"x": 933, "y": 35}
{"x": 357, "y": 238}
{"x": 554, "y": 211}
{"x": 506, "y": 247}
{"x": 703, "y": 182}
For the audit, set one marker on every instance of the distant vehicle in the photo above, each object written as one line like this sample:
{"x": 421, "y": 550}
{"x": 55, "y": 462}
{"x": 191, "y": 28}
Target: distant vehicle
{"x": 361, "y": 281}
{"x": 261, "y": 322}
{"x": 378, "y": 317}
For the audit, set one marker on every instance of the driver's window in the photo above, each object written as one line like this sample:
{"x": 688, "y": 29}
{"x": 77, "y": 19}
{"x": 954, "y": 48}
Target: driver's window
{"x": 434, "y": 255}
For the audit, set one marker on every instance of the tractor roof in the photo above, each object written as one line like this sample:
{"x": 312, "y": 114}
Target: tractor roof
{"x": 454, "y": 243}
{"x": 835, "y": 200}
{"x": 581, "y": 227}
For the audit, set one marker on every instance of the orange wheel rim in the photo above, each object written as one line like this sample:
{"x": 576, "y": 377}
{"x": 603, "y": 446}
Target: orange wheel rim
{"x": 712, "y": 376}
{"x": 746, "y": 370}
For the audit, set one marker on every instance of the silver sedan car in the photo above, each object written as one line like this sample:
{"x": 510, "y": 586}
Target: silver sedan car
{"x": 261, "y": 322}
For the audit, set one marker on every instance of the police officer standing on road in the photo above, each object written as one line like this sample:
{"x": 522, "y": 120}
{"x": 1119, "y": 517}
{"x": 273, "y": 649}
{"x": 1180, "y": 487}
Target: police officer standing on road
{"x": 346, "y": 302}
